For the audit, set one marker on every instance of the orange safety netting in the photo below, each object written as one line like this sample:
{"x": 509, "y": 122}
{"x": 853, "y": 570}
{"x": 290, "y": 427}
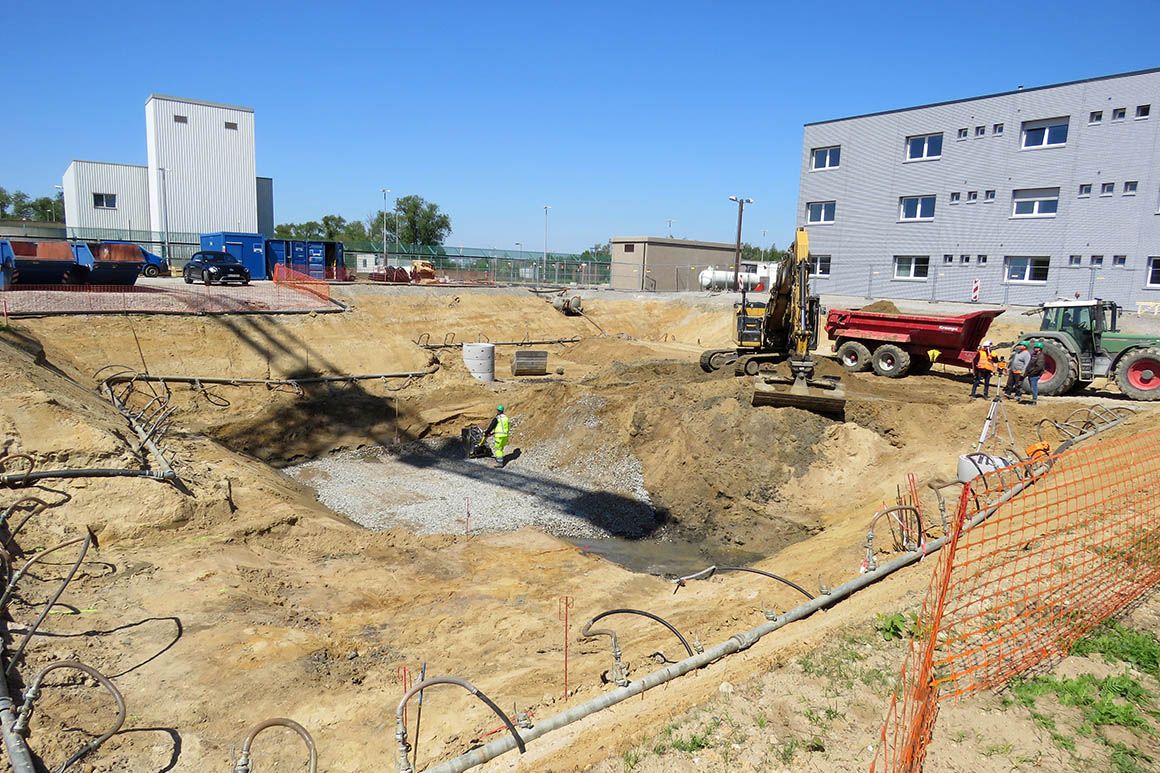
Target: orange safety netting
{"x": 1039, "y": 555}
{"x": 284, "y": 275}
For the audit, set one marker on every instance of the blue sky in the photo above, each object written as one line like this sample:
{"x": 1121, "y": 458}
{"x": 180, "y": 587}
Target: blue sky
{"x": 619, "y": 115}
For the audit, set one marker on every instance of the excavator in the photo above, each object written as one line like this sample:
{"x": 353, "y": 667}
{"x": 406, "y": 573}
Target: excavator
{"x": 782, "y": 330}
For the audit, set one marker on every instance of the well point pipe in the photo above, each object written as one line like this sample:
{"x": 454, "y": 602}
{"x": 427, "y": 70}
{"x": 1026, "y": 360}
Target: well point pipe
{"x": 19, "y": 756}
{"x": 735, "y": 643}
{"x": 121, "y": 378}
{"x": 243, "y": 764}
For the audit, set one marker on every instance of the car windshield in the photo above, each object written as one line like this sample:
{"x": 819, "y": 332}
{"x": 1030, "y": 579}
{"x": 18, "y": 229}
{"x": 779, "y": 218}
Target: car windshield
{"x": 218, "y": 257}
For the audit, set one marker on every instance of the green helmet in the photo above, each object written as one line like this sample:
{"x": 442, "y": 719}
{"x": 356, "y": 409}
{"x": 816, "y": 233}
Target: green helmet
{"x": 1038, "y": 345}
{"x": 1022, "y": 343}
{"x": 499, "y": 409}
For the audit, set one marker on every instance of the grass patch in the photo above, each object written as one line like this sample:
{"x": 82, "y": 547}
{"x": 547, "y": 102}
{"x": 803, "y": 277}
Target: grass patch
{"x": 788, "y": 750}
{"x": 632, "y": 758}
{"x": 1117, "y": 642}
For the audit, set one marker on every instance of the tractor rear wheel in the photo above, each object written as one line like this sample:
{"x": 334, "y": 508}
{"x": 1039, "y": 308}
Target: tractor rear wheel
{"x": 1138, "y": 374}
{"x": 854, "y": 356}
{"x": 1059, "y": 371}
{"x": 891, "y": 361}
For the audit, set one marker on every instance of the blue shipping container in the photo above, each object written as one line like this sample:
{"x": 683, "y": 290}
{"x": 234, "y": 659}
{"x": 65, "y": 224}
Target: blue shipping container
{"x": 316, "y": 259}
{"x": 250, "y": 249}
{"x": 276, "y": 251}
{"x": 298, "y": 257}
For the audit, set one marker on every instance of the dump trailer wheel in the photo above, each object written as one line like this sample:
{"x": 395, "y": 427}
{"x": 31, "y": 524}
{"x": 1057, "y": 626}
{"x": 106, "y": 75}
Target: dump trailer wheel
{"x": 854, "y": 356}
{"x": 1059, "y": 371}
{"x": 891, "y": 361}
{"x": 1138, "y": 374}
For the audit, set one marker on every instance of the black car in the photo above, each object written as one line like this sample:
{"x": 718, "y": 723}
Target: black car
{"x": 210, "y": 267}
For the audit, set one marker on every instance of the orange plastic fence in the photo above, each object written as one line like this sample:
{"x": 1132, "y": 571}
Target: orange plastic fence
{"x": 1039, "y": 555}
{"x": 284, "y": 275}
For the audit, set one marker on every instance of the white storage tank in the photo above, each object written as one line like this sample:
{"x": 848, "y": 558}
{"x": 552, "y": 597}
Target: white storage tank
{"x": 480, "y": 361}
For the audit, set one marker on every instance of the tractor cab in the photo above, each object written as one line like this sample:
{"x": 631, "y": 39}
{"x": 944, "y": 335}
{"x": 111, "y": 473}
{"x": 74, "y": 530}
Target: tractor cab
{"x": 1085, "y": 323}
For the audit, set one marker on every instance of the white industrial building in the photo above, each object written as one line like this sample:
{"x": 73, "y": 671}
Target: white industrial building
{"x": 201, "y": 177}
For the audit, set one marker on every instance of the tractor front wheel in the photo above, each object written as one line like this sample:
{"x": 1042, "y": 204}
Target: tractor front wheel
{"x": 1059, "y": 372}
{"x": 1138, "y": 374}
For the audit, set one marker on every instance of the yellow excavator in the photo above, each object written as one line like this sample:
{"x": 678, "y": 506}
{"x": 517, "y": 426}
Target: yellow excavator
{"x": 782, "y": 330}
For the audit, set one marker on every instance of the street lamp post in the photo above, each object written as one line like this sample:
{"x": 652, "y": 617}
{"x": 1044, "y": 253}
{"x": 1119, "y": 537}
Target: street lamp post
{"x": 61, "y": 189}
{"x": 385, "y": 192}
{"x": 165, "y": 208}
{"x": 520, "y": 255}
{"x": 671, "y": 221}
{"x": 741, "y": 202}
{"x": 544, "y": 268}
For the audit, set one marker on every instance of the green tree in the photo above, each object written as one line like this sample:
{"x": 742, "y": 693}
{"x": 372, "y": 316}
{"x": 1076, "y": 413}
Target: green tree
{"x": 18, "y": 205}
{"x": 5, "y": 203}
{"x": 597, "y": 253}
{"x": 421, "y": 222}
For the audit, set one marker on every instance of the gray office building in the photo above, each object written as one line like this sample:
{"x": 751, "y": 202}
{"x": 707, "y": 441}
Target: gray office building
{"x": 1016, "y": 198}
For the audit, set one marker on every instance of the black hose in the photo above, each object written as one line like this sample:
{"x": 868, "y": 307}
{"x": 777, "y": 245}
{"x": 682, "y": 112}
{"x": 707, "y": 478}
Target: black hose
{"x": 88, "y": 541}
{"x": 642, "y": 613}
{"x": 401, "y": 730}
{"x": 705, "y": 574}
{"x": 33, "y": 692}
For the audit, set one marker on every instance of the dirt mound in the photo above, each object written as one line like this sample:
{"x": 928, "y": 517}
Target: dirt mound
{"x": 881, "y": 307}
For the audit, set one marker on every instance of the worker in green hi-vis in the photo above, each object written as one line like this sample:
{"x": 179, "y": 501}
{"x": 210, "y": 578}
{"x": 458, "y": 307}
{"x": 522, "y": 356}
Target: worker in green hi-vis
{"x": 499, "y": 429}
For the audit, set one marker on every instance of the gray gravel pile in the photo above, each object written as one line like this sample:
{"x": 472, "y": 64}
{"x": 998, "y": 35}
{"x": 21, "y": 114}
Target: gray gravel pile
{"x": 429, "y": 486}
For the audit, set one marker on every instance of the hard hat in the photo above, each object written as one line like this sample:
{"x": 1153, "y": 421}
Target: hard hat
{"x": 499, "y": 409}
{"x": 987, "y": 344}
{"x": 1022, "y": 343}
{"x": 1038, "y": 345}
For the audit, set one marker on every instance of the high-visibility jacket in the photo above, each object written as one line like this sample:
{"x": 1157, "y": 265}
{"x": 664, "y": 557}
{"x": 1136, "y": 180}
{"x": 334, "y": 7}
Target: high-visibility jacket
{"x": 984, "y": 361}
{"x": 502, "y": 427}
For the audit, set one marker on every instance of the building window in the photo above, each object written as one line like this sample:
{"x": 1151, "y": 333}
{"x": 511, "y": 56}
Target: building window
{"x": 1107, "y": 189}
{"x": 180, "y": 119}
{"x": 980, "y": 131}
{"x": 1096, "y": 260}
{"x": 988, "y": 196}
{"x": 105, "y": 200}
{"x": 231, "y": 125}
{"x": 948, "y": 258}
{"x": 1024, "y": 269}
{"x": 1035, "y": 202}
{"x": 1154, "y": 272}
{"x": 972, "y": 197}
{"x": 963, "y": 133}
{"x": 924, "y": 147}
{"x": 955, "y": 197}
{"x": 1119, "y": 114}
{"x": 1085, "y": 190}
{"x": 981, "y": 259}
{"x": 1143, "y": 111}
{"x": 1129, "y": 187}
{"x": 819, "y": 265}
{"x": 820, "y": 212}
{"x": 964, "y": 259}
{"x": 630, "y": 248}
{"x": 1096, "y": 116}
{"x": 826, "y": 158}
{"x": 1048, "y": 133}
{"x": 916, "y": 208}
{"x": 1075, "y": 260}
{"x": 911, "y": 266}
{"x": 1119, "y": 260}
{"x": 997, "y": 129}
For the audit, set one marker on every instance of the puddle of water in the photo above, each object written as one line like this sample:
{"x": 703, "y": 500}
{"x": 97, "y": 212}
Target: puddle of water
{"x": 663, "y": 556}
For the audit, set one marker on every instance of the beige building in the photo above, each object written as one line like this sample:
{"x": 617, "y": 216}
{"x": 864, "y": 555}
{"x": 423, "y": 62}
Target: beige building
{"x": 659, "y": 264}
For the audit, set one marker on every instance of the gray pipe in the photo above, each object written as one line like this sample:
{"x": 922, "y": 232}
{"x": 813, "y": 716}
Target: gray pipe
{"x": 126, "y": 377}
{"x": 735, "y": 643}
{"x": 243, "y": 764}
{"x": 19, "y": 756}
{"x": 147, "y": 442}
{"x": 18, "y": 478}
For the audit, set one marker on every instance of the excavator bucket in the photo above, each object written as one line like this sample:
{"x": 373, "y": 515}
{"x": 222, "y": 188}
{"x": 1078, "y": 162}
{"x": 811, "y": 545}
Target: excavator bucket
{"x": 820, "y": 395}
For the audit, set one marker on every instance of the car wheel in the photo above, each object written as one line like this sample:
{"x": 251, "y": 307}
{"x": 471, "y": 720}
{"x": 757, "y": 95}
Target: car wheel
{"x": 185, "y": 275}
{"x": 205, "y": 278}
{"x": 151, "y": 271}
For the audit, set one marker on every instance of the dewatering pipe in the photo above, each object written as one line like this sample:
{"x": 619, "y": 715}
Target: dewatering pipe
{"x": 705, "y": 574}
{"x": 121, "y": 378}
{"x": 871, "y": 561}
{"x": 147, "y": 442}
{"x": 618, "y": 674}
{"x": 11, "y": 587}
{"x": 33, "y": 692}
{"x": 404, "y": 761}
{"x": 243, "y": 764}
{"x": 735, "y": 643}
{"x": 22, "y": 478}
{"x": 526, "y": 342}
{"x": 19, "y": 756}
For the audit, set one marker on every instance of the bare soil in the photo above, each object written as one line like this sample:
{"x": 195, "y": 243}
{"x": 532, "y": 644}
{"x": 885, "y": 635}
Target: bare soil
{"x": 246, "y": 598}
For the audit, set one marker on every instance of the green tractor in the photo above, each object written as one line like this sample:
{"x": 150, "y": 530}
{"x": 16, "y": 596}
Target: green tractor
{"x": 1082, "y": 342}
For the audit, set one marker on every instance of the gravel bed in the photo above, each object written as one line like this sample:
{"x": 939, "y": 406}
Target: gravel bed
{"x": 428, "y": 487}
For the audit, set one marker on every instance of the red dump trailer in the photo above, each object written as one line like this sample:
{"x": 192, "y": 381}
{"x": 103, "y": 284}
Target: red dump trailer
{"x": 894, "y": 345}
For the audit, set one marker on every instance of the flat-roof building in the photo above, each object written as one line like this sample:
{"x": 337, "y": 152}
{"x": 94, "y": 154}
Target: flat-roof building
{"x": 200, "y": 177}
{"x": 1015, "y": 197}
{"x": 658, "y": 264}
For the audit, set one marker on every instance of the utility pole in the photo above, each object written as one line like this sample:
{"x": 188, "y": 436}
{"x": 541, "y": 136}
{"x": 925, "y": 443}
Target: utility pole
{"x": 165, "y": 208}
{"x": 385, "y": 192}
{"x": 741, "y": 202}
{"x": 544, "y": 268}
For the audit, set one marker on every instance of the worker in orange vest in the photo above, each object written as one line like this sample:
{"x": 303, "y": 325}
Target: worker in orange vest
{"x": 983, "y": 367}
